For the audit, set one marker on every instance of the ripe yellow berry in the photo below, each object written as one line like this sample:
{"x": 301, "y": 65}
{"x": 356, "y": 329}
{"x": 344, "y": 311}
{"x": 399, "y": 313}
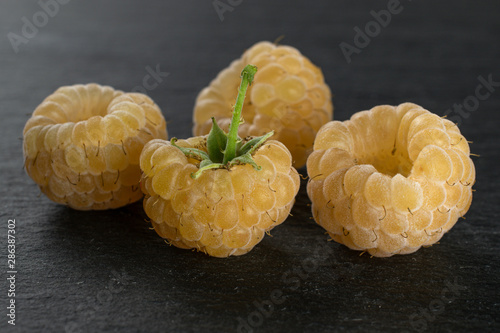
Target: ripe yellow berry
{"x": 390, "y": 180}
{"x": 223, "y": 212}
{"x": 82, "y": 145}
{"x": 289, "y": 96}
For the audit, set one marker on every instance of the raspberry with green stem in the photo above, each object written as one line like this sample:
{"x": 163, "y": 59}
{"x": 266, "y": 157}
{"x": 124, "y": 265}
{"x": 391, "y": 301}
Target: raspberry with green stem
{"x": 228, "y": 149}
{"x": 227, "y": 210}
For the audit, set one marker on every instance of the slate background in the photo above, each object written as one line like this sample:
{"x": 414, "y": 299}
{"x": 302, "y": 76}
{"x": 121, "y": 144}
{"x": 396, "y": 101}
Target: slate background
{"x": 431, "y": 53}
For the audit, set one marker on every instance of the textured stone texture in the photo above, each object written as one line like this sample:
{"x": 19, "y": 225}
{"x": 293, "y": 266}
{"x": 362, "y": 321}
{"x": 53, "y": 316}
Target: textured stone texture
{"x": 430, "y": 54}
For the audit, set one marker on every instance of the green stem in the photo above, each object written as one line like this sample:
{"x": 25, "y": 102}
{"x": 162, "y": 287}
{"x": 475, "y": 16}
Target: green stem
{"x": 246, "y": 79}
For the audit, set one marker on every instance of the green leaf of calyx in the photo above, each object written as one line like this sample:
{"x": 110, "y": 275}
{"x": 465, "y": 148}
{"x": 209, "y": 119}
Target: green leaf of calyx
{"x": 216, "y": 143}
{"x": 194, "y": 153}
{"x": 253, "y": 144}
{"x": 205, "y": 165}
{"x": 244, "y": 159}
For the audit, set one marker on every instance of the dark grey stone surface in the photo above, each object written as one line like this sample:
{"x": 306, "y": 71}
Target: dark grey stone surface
{"x": 106, "y": 271}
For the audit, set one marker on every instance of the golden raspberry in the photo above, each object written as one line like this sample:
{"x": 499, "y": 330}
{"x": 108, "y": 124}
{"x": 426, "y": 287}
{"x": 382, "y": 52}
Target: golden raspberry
{"x": 82, "y": 145}
{"x": 289, "y": 96}
{"x": 390, "y": 180}
{"x": 223, "y": 212}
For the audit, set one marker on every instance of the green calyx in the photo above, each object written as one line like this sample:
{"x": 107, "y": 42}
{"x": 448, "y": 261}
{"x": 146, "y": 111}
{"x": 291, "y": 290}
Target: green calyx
{"x": 227, "y": 149}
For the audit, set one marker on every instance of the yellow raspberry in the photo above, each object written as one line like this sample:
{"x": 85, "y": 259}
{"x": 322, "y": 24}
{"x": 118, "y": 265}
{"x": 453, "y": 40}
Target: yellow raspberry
{"x": 82, "y": 145}
{"x": 390, "y": 180}
{"x": 218, "y": 193}
{"x": 289, "y": 96}
{"x": 222, "y": 212}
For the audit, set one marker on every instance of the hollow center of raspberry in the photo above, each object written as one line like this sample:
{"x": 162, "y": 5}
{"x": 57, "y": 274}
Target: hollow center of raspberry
{"x": 388, "y": 162}
{"x": 85, "y": 112}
